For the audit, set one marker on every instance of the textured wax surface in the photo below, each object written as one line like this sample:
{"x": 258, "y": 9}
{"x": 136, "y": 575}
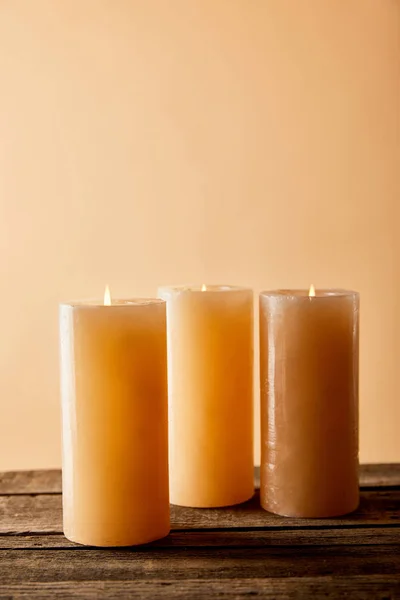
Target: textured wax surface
{"x": 309, "y": 403}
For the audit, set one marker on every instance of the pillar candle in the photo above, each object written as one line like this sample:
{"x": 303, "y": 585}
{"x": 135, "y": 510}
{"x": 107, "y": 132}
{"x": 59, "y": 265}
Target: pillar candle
{"x": 309, "y": 402}
{"x": 115, "y": 422}
{"x": 210, "y": 378}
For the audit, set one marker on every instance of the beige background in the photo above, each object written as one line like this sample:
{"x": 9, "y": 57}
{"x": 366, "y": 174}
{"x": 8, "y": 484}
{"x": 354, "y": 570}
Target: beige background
{"x": 163, "y": 141}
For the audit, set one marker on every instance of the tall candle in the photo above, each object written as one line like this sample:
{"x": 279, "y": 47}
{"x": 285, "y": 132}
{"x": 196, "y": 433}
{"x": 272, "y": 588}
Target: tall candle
{"x": 115, "y": 422}
{"x": 309, "y": 402}
{"x": 210, "y": 378}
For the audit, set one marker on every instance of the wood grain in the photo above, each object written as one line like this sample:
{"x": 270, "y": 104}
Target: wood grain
{"x": 293, "y": 537}
{"x": 237, "y": 552}
{"x": 43, "y": 514}
{"x": 387, "y": 475}
{"x": 30, "y": 482}
{"x": 196, "y": 563}
{"x": 384, "y": 587}
{"x": 49, "y": 481}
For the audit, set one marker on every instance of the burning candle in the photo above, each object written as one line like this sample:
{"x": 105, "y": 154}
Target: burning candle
{"x": 210, "y": 378}
{"x": 115, "y": 421}
{"x": 309, "y": 402}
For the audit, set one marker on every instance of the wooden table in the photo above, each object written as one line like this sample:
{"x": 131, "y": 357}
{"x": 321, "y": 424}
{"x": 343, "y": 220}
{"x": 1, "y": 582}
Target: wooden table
{"x": 239, "y": 552}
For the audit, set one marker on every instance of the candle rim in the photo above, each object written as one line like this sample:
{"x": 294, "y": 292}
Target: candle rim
{"x": 115, "y": 303}
{"x": 197, "y": 288}
{"x": 320, "y": 293}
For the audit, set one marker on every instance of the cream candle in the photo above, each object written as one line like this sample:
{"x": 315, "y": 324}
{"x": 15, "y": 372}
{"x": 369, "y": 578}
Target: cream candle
{"x": 115, "y": 424}
{"x": 210, "y": 378}
{"x": 309, "y": 402}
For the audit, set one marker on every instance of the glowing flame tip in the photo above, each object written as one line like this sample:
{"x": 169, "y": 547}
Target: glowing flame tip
{"x": 311, "y": 293}
{"x": 107, "y": 296}
{"x": 204, "y": 287}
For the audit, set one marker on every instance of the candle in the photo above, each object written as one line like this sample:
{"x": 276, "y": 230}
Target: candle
{"x": 309, "y": 402}
{"x": 210, "y": 378}
{"x": 115, "y": 421}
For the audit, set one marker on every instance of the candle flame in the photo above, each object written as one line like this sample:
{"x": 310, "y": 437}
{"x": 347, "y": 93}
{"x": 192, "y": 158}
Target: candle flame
{"x": 311, "y": 293}
{"x": 204, "y": 287}
{"x": 107, "y": 296}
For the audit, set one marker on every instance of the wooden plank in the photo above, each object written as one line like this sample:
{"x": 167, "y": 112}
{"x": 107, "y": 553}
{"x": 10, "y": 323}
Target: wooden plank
{"x": 43, "y": 514}
{"x": 196, "y": 563}
{"x": 386, "y": 587}
{"x": 371, "y": 475}
{"x": 49, "y": 482}
{"x": 386, "y": 475}
{"x": 22, "y": 514}
{"x": 376, "y": 507}
{"x": 209, "y": 538}
{"x": 30, "y": 482}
